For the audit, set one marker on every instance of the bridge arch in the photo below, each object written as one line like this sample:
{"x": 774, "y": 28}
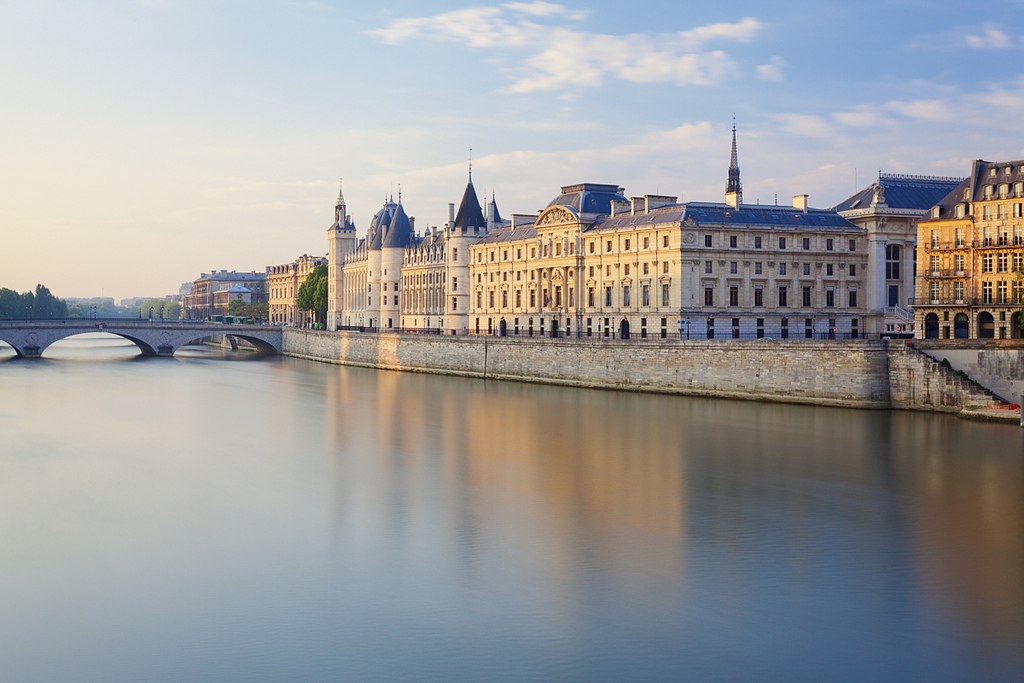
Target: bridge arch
{"x": 31, "y": 339}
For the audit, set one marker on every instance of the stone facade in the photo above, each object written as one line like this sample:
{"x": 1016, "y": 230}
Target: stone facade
{"x": 283, "y": 284}
{"x": 970, "y": 249}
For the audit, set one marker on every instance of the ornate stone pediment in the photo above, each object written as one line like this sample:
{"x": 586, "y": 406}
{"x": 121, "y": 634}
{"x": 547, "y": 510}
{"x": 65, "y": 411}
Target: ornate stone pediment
{"x": 557, "y": 215}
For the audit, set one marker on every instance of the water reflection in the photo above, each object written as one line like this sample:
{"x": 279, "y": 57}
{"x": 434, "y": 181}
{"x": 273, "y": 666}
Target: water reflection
{"x": 286, "y": 519}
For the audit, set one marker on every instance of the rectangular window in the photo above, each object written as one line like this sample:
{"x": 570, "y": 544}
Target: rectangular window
{"x": 664, "y": 266}
{"x": 808, "y": 328}
{"x": 455, "y": 303}
{"x": 625, "y": 295}
{"x": 807, "y": 243}
{"x": 533, "y": 298}
{"x": 490, "y": 299}
{"x": 986, "y": 293}
{"x": 760, "y": 328}
{"x": 711, "y": 328}
{"x": 709, "y": 295}
{"x": 519, "y": 299}
{"x": 664, "y": 328}
{"x": 828, "y": 269}
{"x": 735, "y": 328}
{"x": 590, "y": 297}
{"x": 645, "y": 295}
{"x": 758, "y": 296}
{"x": 732, "y": 241}
{"x": 609, "y": 246}
{"x": 646, "y": 243}
{"x": 782, "y": 269}
{"x": 733, "y": 267}
{"x": 782, "y": 243}
{"x": 734, "y": 295}
{"x": 626, "y": 245}
{"x": 785, "y": 328}
{"x": 757, "y": 268}
{"x": 627, "y": 269}
{"x": 830, "y": 297}
{"x": 707, "y": 240}
{"x": 783, "y": 296}
{"x": 455, "y": 284}
{"x": 807, "y": 269}
{"x": 853, "y": 245}
{"x": 986, "y": 263}
{"x": 853, "y": 298}
{"x": 958, "y": 291}
{"x": 607, "y": 296}
{"x": 757, "y": 242}
{"x": 707, "y": 267}
{"x": 664, "y": 241}
{"x": 455, "y": 254}
{"x": 807, "y": 297}
{"x": 504, "y": 299}
{"x": 853, "y": 270}
{"x": 664, "y": 295}
{"x": 558, "y": 296}
{"x": 828, "y": 244}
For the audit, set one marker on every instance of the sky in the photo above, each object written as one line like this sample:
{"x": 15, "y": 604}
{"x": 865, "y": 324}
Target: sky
{"x": 143, "y": 142}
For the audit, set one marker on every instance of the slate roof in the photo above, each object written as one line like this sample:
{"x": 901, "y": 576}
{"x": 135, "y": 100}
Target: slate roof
{"x": 589, "y": 197}
{"x": 510, "y": 234}
{"x": 470, "y": 215}
{"x": 379, "y": 226}
{"x": 902, "y": 192}
{"x": 400, "y": 233}
{"x": 712, "y": 213}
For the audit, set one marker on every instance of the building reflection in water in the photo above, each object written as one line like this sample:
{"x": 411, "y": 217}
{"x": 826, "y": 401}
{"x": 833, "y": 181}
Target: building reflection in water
{"x": 740, "y": 503}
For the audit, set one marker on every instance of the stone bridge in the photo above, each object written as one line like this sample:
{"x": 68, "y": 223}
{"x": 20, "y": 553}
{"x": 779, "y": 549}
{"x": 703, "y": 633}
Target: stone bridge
{"x": 154, "y": 338}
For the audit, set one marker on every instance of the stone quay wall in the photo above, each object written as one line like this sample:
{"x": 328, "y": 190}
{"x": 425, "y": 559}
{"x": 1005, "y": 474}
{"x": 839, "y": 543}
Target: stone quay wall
{"x": 836, "y": 373}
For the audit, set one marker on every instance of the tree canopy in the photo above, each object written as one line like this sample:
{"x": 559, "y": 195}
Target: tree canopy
{"x": 257, "y": 311}
{"x": 312, "y": 294}
{"x": 40, "y": 304}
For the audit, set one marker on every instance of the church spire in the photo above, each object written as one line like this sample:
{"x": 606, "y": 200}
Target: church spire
{"x": 734, "y": 189}
{"x": 339, "y": 207}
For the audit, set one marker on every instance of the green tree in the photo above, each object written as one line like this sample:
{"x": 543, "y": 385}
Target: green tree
{"x": 171, "y": 309}
{"x": 40, "y": 304}
{"x": 312, "y": 294}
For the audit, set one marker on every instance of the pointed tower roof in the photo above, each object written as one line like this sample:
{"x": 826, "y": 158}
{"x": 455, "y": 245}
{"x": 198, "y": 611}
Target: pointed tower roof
{"x": 400, "y": 231}
{"x": 495, "y": 216}
{"x": 341, "y": 219}
{"x": 734, "y": 167}
{"x": 470, "y": 214}
{"x": 379, "y": 226}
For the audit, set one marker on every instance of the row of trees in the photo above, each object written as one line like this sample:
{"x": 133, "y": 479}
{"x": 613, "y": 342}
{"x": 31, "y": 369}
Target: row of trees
{"x": 313, "y": 294}
{"x": 40, "y": 304}
{"x": 257, "y": 311}
{"x": 171, "y": 310}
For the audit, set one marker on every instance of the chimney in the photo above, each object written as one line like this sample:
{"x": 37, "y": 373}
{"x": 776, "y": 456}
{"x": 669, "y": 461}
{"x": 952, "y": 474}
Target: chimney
{"x": 451, "y": 215}
{"x": 800, "y": 202}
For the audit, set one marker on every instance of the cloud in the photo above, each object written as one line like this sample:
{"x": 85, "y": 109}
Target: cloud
{"x": 772, "y": 71}
{"x": 992, "y": 39}
{"x": 806, "y": 124}
{"x": 926, "y": 110}
{"x": 562, "y": 57}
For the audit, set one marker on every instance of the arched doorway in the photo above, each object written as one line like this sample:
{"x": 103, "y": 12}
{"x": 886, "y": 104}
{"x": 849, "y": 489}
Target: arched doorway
{"x": 986, "y": 326}
{"x": 624, "y": 329}
{"x": 1015, "y": 330}
{"x": 961, "y": 330}
{"x": 931, "y": 326}
{"x": 502, "y": 328}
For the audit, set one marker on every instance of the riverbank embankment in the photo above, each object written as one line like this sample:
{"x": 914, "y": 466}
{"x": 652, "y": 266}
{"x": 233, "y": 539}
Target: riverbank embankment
{"x": 858, "y": 374}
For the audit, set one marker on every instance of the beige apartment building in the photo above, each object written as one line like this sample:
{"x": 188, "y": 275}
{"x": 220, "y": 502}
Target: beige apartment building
{"x": 970, "y": 251}
{"x": 283, "y": 284}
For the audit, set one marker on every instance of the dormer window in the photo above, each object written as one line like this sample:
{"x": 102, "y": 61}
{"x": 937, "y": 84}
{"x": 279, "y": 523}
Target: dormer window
{"x": 1004, "y": 191}
{"x": 935, "y": 211}
{"x": 1008, "y": 170}
{"x": 988, "y": 191}
{"x": 992, "y": 171}
{"x": 960, "y": 210}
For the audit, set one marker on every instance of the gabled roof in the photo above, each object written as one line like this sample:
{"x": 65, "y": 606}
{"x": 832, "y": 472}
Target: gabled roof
{"x": 901, "y": 192}
{"x": 470, "y": 215}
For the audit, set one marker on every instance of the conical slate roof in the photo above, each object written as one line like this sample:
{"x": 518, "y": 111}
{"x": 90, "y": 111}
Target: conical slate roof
{"x": 379, "y": 226}
{"x": 470, "y": 214}
{"x": 399, "y": 232}
{"x": 494, "y": 211}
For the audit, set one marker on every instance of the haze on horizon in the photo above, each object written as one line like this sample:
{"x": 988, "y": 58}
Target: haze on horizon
{"x": 145, "y": 141}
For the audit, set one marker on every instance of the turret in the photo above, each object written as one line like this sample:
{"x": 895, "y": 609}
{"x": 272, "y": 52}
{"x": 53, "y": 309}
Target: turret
{"x": 466, "y": 228}
{"x": 734, "y": 189}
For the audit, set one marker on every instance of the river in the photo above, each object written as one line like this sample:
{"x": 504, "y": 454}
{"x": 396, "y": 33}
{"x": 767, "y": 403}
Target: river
{"x": 215, "y": 517}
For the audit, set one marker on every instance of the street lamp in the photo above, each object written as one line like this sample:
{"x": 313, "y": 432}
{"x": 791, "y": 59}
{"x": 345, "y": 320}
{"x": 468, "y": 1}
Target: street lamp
{"x": 28, "y": 311}
{"x": 161, "y": 313}
{"x": 150, "y": 314}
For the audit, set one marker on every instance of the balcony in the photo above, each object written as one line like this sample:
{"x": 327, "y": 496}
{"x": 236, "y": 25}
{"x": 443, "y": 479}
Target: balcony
{"x": 946, "y": 272}
{"x": 947, "y": 301}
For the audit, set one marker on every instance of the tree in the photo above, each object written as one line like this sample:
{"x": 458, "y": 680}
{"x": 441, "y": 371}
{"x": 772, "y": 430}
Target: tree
{"x": 172, "y": 309}
{"x": 312, "y": 294}
{"x": 40, "y": 304}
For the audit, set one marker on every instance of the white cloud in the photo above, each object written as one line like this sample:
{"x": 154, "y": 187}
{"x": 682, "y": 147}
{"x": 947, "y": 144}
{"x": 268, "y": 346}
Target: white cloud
{"x": 926, "y": 110}
{"x": 563, "y": 57}
{"x": 992, "y": 39}
{"x": 772, "y": 71}
{"x": 806, "y": 124}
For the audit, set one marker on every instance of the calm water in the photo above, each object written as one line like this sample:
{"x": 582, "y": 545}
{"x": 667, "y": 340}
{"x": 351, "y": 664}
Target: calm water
{"x": 196, "y": 519}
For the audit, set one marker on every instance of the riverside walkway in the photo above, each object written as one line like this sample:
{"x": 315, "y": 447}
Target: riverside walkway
{"x": 30, "y": 338}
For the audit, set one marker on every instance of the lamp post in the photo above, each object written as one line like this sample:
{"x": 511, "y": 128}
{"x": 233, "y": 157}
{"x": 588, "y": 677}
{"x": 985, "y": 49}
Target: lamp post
{"x": 150, "y": 314}
{"x": 28, "y": 311}
{"x": 161, "y": 313}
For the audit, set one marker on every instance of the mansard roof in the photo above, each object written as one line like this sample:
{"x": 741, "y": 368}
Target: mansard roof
{"x": 510, "y": 234}
{"x": 719, "y": 214}
{"x": 470, "y": 215}
{"x": 899, "y": 191}
{"x": 589, "y": 197}
{"x": 400, "y": 233}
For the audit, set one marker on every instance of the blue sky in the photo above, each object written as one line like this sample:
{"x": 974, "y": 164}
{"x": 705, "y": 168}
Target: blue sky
{"x": 144, "y": 141}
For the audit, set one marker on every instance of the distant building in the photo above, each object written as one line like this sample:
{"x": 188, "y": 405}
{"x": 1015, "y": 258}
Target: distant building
{"x": 889, "y": 210}
{"x": 283, "y": 284}
{"x": 970, "y": 249}
{"x": 200, "y": 304}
